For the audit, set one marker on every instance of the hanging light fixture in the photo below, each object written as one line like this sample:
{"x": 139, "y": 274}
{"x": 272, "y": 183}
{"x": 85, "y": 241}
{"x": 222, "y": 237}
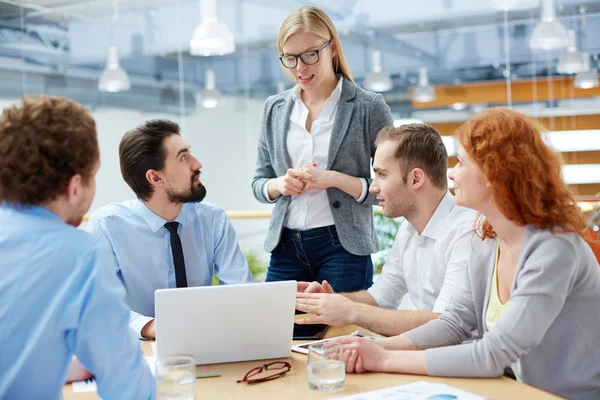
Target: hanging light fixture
{"x": 586, "y": 79}
{"x": 211, "y": 37}
{"x": 113, "y": 79}
{"x": 571, "y": 61}
{"x": 508, "y": 5}
{"x": 377, "y": 80}
{"x": 548, "y": 34}
{"x": 423, "y": 92}
{"x": 211, "y": 96}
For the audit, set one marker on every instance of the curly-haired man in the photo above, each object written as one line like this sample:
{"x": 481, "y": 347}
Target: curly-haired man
{"x": 55, "y": 300}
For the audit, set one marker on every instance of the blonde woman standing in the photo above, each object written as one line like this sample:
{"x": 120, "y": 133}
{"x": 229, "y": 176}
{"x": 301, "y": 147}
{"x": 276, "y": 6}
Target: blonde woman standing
{"x": 314, "y": 160}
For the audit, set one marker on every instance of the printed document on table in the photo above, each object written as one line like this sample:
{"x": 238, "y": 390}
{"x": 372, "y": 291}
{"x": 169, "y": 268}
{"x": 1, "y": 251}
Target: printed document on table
{"x": 420, "y": 390}
{"x": 89, "y": 385}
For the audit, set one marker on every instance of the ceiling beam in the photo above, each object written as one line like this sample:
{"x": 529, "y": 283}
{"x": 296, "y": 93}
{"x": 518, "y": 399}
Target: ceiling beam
{"x": 383, "y": 41}
{"x": 494, "y": 92}
{"x": 585, "y": 192}
{"x": 569, "y": 123}
{"x": 576, "y": 157}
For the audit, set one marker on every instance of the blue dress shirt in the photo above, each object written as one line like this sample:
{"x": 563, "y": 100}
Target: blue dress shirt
{"x": 56, "y": 301}
{"x": 140, "y": 249}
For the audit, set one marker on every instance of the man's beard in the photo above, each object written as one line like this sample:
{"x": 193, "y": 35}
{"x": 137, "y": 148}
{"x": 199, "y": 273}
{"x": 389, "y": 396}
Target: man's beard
{"x": 194, "y": 195}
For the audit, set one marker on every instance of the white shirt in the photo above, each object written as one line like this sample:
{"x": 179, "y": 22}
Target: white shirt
{"x": 429, "y": 267}
{"x": 311, "y": 209}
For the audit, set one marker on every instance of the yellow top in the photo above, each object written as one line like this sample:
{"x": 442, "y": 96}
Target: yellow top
{"x": 495, "y": 308}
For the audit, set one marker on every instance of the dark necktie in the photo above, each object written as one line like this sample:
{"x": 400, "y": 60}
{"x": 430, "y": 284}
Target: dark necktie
{"x": 180, "y": 277}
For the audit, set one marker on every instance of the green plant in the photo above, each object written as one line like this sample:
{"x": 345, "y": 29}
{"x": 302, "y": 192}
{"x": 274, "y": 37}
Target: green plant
{"x": 386, "y": 230}
{"x": 255, "y": 264}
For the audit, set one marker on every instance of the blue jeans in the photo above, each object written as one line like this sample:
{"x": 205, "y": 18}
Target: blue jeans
{"x": 317, "y": 255}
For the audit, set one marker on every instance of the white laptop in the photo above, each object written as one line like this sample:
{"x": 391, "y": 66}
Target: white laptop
{"x": 218, "y": 324}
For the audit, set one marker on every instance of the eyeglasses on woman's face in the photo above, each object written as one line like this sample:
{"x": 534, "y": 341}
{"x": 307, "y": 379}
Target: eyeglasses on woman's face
{"x": 308, "y": 57}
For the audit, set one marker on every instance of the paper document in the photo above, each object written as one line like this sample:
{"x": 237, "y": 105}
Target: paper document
{"x": 420, "y": 390}
{"x": 89, "y": 385}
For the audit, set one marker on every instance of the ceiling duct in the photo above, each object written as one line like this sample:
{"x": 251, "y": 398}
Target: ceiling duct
{"x": 80, "y": 86}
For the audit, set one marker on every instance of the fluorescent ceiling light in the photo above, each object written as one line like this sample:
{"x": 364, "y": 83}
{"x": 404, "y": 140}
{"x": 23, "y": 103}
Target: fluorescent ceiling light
{"x": 562, "y": 141}
{"x": 451, "y": 145}
{"x": 548, "y": 34}
{"x": 442, "y": 115}
{"x": 211, "y": 37}
{"x": 114, "y": 78}
{"x": 571, "y": 61}
{"x": 406, "y": 121}
{"x": 211, "y": 96}
{"x": 458, "y": 106}
{"x": 573, "y": 174}
{"x": 581, "y": 173}
{"x": 423, "y": 93}
{"x": 508, "y": 5}
{"x": 449, "y": 141}
{"x": 478, "y": 107}
{"x": 376, "y": 79}
{"x": 569, "y": 141}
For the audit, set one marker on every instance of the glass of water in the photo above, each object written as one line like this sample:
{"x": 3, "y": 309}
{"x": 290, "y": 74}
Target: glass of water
{"x": 176, "y": 378}
{"x": 325, "y": 372}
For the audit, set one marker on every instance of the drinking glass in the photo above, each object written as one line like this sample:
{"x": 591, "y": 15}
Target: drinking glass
{"x": 176, "y": 378}
{"x": 325, "y": 372}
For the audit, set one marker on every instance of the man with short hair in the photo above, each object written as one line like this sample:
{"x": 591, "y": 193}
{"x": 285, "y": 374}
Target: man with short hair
{"x": 56, "y": 300}
{"x": 431, "y": 248}
{"x": 167, "y": 237}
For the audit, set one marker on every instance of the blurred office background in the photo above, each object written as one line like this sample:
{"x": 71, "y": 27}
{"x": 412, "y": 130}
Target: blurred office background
{"x": 210, "y": 65}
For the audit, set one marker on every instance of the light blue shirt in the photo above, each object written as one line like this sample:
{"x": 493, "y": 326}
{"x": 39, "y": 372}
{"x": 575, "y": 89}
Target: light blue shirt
{"x": 56, "y": 301}
{"x": 140, "y": 250}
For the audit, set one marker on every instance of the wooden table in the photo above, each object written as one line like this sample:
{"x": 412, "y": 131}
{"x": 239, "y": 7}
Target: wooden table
{"x": 294, "y": 384}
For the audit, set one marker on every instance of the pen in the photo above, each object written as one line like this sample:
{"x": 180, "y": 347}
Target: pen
{"x": 211, "y": 375}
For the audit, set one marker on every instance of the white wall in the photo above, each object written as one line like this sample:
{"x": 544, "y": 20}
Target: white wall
{"x": 224, "y": 139}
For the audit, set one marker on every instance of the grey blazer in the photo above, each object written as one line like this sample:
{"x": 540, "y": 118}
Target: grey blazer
{"x": 550, "y": 330}
{"x": 360, "y": 116}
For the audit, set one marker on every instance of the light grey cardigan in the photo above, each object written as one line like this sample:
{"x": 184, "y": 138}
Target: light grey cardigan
{"x": 360, "y": 116}
{"x": 549, "y": 332}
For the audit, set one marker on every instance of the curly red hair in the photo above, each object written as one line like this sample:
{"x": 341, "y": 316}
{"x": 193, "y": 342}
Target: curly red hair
{"x": 524, "y": 173}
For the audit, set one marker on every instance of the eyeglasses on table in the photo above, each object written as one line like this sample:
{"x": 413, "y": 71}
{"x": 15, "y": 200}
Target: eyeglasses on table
{"x": 279, "y": 369}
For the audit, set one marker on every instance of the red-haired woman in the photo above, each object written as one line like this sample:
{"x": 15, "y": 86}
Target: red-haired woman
{"x": 532, "y": 287}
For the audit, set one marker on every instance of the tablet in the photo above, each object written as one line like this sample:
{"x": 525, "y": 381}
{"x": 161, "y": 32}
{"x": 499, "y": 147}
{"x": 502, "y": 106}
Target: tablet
{"x": 303, "y": 348}
{"x": 309, "y": 332}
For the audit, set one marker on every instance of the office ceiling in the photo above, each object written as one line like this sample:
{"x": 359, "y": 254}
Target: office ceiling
{"x": 61, "y": 45}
